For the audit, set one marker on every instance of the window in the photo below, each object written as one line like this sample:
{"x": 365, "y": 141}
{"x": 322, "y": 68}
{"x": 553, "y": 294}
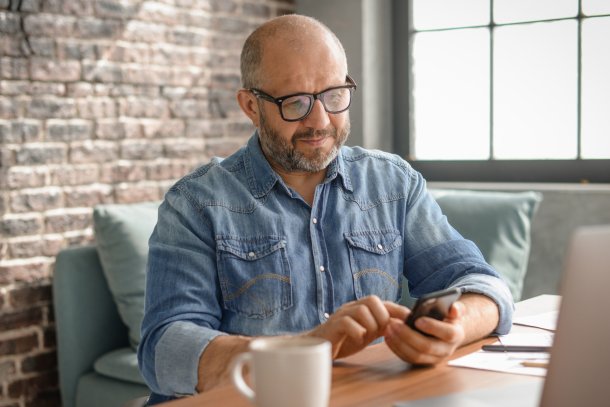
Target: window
{"x": 509, "y": 90}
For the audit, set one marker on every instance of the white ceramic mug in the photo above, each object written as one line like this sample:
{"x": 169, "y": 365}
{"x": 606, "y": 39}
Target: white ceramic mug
{"x": 286, "y": 371}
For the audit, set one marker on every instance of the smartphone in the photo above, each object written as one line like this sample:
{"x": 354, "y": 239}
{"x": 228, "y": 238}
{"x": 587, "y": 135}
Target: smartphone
{"x": 434, "y": 305}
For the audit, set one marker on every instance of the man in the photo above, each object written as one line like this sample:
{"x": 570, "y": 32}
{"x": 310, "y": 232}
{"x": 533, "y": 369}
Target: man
{"x": 296, "y": 234}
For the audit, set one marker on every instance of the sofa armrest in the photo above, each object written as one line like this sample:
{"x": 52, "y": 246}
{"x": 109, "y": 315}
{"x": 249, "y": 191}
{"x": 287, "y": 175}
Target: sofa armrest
{"x": 87, "y": 322}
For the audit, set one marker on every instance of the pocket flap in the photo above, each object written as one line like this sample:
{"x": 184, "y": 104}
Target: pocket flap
{"x": 375, "y": 241}
{"x": 249, "y": 249}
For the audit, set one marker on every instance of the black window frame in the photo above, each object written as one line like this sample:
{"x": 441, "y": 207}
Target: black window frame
{"x": 577, "y": 170}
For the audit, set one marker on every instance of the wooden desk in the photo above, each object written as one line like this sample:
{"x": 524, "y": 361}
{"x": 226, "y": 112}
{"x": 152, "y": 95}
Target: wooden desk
{"x": 375, "y": 377}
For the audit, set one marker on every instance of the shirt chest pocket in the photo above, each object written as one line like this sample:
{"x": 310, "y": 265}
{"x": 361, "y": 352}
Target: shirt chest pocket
{"x": 376, "y": 263}
{"x": 254, "y": 275}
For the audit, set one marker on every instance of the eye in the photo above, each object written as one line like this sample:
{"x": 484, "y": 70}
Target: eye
{"x": 296, "y": 105}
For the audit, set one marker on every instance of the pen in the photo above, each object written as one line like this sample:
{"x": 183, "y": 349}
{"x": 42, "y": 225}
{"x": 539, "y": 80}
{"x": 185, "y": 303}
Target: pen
{"x": 516, "y": 348}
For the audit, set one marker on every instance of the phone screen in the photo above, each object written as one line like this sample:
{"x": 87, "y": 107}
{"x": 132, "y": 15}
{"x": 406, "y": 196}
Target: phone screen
{"x": 434, "y": 305}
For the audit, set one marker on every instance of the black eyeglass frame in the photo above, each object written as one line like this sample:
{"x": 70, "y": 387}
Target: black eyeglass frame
{"x": 351, "y": 85}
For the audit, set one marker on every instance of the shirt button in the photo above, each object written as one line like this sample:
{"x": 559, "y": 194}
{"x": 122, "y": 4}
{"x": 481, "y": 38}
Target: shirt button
{"x": 314, "y": 220}
{"x": 322, "y": 268}
{"x": 326, "y": 315}
{"x": 380, "y": 246}
{"x": 251, "y": 254}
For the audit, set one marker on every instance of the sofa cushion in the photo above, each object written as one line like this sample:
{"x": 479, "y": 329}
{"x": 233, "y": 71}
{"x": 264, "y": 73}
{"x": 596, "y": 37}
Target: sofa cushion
{"x": 121, "y": 234}
{"x": 120, "y": 364}
{"x": 499, "y": 223}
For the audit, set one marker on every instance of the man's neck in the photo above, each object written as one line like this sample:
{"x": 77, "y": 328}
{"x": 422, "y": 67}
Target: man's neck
{"x": 304, "y": 183}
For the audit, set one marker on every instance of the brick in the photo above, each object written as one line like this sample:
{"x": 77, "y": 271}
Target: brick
{"x": 113, "y": 129}
{"x": 140, "y": 150}
{"x": 121, "y": 51}
{"x": 96, "y": 107}
{"x": 166, "y": 54}
{"x": 25, "y": 248}
{"x": 52, "y": 244}
{"x": 163, "y": 128}
{"x": 240, "y": 129}
{"x": 8, "y": 369}
{"x": 26, "y": 177}
{"x": 80, "y": 238}
{"x": 13, "y": 68}
{"x": 157, "y": 12}
{"x": 80, "y": 174}
{"x": 95, "y": 28}
{"x": 77, "y": 7}
{"x": 47, "y": 107}
{"x": 9, "y": 22}
{"x": 39, "y": 363}
{"x": 88, "y": 196}
{"x": 165, "y": 170}
{"x": 120, "y": 9}
{"x": 189, "y": 108}
{"x": 146, "y": 74}
{"x": 49, "y": 25}
{"x": 256, "y": 10}
{"x": 21, "y": 319}
{"x": 20, "y": 225}
{"x": 43, "y": 46}
{"x": 44, "y": 69}
{"x": 7, "y": 157}
{"x": 184, "y": 148}
{"x": 184, "y": 76}
{"x": 32, "y": 6}
{"x": 36, "y": 200}
{"x": 138, "y": 31}
{"x": 76, "y": 49}
{"x": 143, "y": 107}
{"x": 47, "y": 88}
{"x": 31, "y": 386}
{"x": 68, "y": 220}
{"x": 18, "y": 345}
{"x": 69, "y": 130}
{"x": 41, "y": 153}
{"x": 9, "y": 108}
{"x": 102, "y": 71}
{"x": 26, "y": 130}
{"x": 187, "y": 36}
{"x": 139, "y": 192}
{"x": 11, "y": 45}
{"x": 45, "y": 398}
{"x": 26, "y": 296}
{"x": 222, "y": 147}
{"x": 49, "y": 337}
{"x": 93, "y": 152}
{"x": 223, "y": 105}
{"x": 197, "y": 19}
{"x": 123, "y": 171}
{"x": 79, "y": 89}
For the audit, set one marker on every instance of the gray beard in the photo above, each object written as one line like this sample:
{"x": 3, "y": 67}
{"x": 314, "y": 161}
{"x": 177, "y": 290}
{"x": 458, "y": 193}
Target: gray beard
{"x": 286, "y": 155}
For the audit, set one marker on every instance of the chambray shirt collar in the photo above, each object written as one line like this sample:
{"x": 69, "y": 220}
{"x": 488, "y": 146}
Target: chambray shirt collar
{"x": 262, "y": 178}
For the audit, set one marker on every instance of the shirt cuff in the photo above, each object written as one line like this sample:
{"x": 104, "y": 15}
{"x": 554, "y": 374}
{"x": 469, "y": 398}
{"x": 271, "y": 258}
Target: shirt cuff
{"x": 177, "y": 357}
{"x": 496, "y": 290}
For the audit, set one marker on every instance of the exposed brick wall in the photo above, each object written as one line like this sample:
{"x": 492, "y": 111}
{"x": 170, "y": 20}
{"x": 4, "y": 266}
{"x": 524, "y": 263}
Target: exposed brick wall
{"x": 100, "y": 101}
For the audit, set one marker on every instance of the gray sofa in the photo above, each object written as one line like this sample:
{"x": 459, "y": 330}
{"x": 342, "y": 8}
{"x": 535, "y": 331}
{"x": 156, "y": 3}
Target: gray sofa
{"x": 89, "y": 325}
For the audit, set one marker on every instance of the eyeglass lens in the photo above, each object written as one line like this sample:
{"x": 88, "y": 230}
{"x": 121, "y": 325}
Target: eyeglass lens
{"x": 333, "y": 100}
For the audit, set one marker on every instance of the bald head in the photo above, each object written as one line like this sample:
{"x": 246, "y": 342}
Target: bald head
{"x": 292, "y": 33}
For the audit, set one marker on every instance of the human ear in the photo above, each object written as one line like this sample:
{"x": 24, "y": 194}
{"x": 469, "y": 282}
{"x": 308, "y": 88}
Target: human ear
{"x": 249, "y": 105}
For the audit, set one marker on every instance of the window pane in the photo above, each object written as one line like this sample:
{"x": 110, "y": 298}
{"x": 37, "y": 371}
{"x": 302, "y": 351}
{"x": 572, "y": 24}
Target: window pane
{"x": 451, "y": 94}
{"x": 432, "y": 14}
{"x": 512, "y": 11}
{"x": 535, "y": 91}
{"x": 595, "y": 7}
{"x": 596, "y": 88}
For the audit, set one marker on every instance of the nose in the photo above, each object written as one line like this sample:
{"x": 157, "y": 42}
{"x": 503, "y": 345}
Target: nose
{"x": 318, "y": 117}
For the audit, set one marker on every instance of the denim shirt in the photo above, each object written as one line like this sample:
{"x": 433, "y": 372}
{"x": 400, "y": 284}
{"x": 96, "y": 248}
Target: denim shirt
{"x": 237, "y": 251}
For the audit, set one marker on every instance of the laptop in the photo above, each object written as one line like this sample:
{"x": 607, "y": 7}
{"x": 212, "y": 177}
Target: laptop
{"x": 580, "y": 357}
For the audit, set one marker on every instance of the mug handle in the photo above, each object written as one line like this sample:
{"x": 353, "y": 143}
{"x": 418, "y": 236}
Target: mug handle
{"x": 237, "y": 368}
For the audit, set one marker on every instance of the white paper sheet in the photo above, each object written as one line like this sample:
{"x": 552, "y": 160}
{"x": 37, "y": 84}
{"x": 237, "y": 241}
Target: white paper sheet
{"x": 546, "y": 320}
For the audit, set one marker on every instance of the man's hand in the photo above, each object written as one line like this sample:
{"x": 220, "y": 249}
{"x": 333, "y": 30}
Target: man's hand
{"x": 356, "y": 324}
{"x": 472, "y": 317}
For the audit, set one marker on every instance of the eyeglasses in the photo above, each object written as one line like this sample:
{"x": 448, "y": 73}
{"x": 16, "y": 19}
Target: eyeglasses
{"x": 297, "y": 106}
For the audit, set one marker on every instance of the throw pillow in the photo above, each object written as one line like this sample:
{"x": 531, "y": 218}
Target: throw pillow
{"x": 121, "y": 234}
{"x": 499, "y": 223}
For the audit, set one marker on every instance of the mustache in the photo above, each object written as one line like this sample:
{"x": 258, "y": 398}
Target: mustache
{"x": 312, "y": 134}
